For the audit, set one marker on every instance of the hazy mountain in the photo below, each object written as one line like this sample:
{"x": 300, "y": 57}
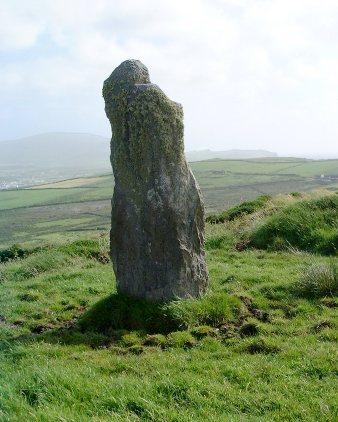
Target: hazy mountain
{"x": 57, "y": 150}
{"x": 52, "y": 156}
{"x": 56, "y": 156}
{"x": 88, "y": 151}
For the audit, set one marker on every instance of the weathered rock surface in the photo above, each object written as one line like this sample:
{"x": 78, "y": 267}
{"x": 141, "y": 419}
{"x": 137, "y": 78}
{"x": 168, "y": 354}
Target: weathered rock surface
{"x": 157, "y": 235}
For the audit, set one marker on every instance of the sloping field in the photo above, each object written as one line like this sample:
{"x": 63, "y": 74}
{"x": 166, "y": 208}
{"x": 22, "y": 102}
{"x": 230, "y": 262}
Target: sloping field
{"x": 71, "y": 183}
{"x": 261, "y": 345}
{"x": 83, "y": 204}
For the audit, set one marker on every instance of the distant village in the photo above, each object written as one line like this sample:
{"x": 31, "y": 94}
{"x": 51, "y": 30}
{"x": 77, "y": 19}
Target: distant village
{"x": 18, "y": 184}
{"x": 328, "y": 178}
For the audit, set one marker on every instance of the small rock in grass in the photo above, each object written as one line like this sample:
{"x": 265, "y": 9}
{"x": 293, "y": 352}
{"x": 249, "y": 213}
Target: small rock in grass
{"x": 114, "y": 335}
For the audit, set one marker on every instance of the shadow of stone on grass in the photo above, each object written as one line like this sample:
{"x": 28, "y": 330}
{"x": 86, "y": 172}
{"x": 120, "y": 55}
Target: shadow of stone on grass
{"x": 103, "y": 324}
{"x": 121, "y": 312}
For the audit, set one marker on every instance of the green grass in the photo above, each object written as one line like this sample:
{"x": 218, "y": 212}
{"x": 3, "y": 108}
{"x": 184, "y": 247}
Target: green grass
{"x": 255, "y": 348}
{"x": 260, "y": 346}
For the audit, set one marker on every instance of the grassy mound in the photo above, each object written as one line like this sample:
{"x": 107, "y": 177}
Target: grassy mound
{"x": 310, "y": 225}
{"x": 248, "y": 207}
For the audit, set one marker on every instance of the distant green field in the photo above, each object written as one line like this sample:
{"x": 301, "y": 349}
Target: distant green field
{"x": 84, "y": 205}
{"x": 225, "y": 183}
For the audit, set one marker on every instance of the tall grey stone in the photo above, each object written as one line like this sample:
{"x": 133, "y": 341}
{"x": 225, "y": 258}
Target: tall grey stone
{"x": 157, "y": 234}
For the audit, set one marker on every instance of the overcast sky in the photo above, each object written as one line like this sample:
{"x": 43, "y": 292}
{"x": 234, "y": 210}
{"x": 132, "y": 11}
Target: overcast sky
{"x": 250, "y": 74}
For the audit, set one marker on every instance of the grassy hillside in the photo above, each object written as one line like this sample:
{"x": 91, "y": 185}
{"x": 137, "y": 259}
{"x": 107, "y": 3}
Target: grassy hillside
{"x": 83, "y": 204}
{"x": 260, "y": 346}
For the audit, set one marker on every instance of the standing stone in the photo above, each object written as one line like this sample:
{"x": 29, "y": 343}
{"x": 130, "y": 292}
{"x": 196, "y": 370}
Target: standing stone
{"x": 157, "y": 235}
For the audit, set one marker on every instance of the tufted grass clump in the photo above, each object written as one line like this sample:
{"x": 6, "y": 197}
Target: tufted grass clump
{"x": 319, "y": 280}
{"x": 212, "y": 309}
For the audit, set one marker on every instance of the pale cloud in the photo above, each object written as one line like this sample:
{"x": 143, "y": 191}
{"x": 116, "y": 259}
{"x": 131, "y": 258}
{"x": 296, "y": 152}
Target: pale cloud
{"x": 19, "y": 28}
{"x": 250, "y": 74}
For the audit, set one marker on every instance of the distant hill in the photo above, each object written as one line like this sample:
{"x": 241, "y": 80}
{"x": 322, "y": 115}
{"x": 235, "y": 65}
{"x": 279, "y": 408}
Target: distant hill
{"x": 232, "y": 154}
{"x": 57, "y": 156}
{"x": 89, "y": 151}
{"x": 58, "y": 150}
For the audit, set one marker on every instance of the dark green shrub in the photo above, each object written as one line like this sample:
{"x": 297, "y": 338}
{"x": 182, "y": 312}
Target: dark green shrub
{"x": 14, "y": 252}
